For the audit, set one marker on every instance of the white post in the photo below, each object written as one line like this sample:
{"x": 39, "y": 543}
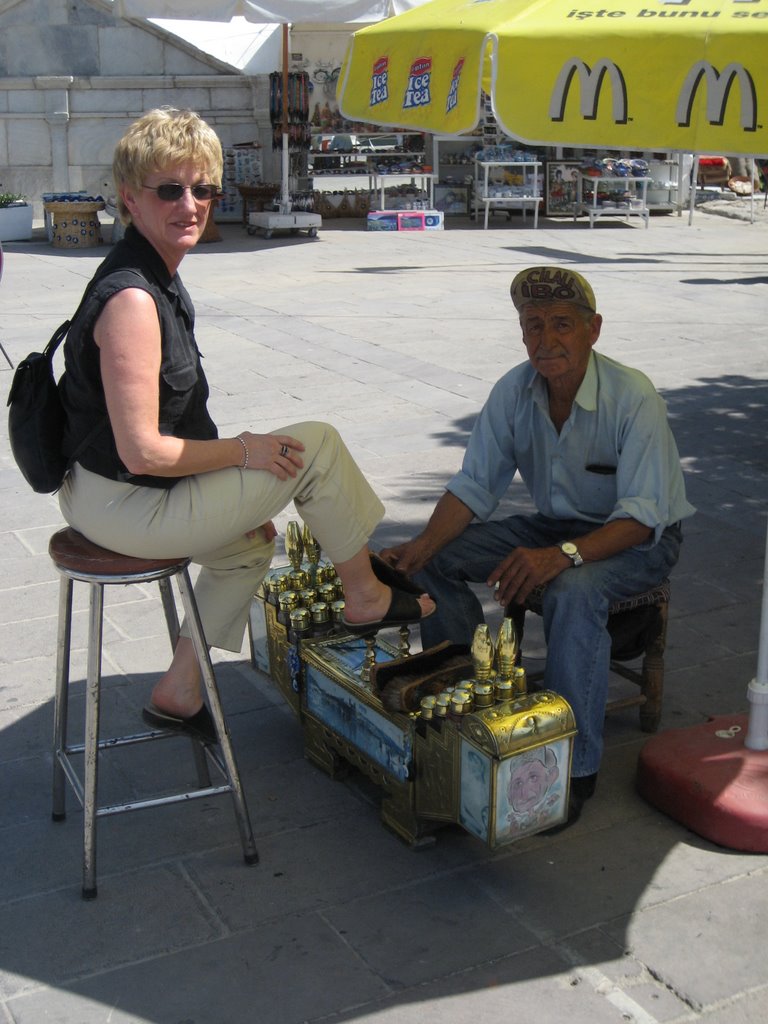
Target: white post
{"x": 757, "y": 691}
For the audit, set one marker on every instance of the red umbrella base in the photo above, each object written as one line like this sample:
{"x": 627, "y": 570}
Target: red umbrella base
{"x": 705, "y": 778}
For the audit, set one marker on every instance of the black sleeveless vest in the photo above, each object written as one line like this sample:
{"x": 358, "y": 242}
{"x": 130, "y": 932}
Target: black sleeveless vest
{"x": 134, "y": 263}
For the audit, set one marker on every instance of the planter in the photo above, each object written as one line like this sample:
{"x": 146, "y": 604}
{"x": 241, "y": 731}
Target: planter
{"x": 16, "y": 223}
{"x": 75, "y": 225}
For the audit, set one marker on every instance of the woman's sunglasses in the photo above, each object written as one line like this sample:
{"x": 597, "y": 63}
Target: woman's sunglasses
{"x": 171, "y": 191}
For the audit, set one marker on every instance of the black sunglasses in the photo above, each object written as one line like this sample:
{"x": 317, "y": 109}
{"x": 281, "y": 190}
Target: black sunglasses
{"x": 171, "y": 191}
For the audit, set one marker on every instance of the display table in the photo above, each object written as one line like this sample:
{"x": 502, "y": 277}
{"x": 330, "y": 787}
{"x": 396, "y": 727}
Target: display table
{"x": 74, "y": 225}
{"x": 508, "y": 197}
{"x": 256, "y": 197}
{"x": 634, "y": 201}
{"x": 380, "y": 181}
{"x": 273, "y": 220}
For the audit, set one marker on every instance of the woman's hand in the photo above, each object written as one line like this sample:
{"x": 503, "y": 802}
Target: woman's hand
{"x": 276, "y": 453}
{"x": 268, "y": 529}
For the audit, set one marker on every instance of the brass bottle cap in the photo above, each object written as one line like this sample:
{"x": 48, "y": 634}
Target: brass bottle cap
{"x": 483, "y": 695}
{"x": 308, "y": 596}
{"x": 320, "y": 612}
{"x": 288, "y": 600}
{"x": 300, "y": 619}
{"x": 461, "y": 702}
{"x": 299, "y": 579}
{"x": 337, "y": 609}
{"x": 521, "y": 681}
{"x": 503, "y": 689}
{"x": 442, "y": 703}
{"x": 327, "y": 592}
{"x": 427, "y": 706}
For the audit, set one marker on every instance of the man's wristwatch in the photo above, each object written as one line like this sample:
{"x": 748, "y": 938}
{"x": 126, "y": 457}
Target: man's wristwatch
{"x": 569, "y": 548}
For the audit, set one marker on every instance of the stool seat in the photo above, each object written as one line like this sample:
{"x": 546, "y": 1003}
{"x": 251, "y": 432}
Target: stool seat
{"x": 71, "y": 550}
{"x": 638, "y": 628}
{"x": 80, "y": 560}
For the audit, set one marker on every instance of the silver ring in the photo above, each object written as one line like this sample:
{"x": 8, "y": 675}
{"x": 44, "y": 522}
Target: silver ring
{"x": 284, "y": 450}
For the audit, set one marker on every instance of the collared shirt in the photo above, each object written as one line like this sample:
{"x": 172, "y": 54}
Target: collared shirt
{"x": 183, "y": 389}
{"x": 615, "y": 457}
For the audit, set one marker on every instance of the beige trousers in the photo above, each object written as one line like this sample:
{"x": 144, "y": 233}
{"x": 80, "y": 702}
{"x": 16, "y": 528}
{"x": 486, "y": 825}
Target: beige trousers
{"x": 207, "y": 516}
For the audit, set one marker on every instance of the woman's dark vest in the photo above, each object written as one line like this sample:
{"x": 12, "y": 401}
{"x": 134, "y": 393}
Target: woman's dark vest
{"x": 134, "y": 263}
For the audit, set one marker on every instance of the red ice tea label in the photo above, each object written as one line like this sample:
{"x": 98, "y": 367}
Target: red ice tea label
{"x": 379, "y": 82}
{"x": 418, "y": 91}
{"x": 453, "y": 92}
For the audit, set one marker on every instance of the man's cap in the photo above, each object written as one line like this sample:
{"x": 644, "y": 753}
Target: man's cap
{"x": 551, "y": 284}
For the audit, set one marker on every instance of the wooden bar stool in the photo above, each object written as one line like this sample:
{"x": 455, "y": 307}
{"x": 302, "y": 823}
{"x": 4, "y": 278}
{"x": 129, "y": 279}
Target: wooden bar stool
{"x": 638, "y": 628}
{"x": 78, "y": 559}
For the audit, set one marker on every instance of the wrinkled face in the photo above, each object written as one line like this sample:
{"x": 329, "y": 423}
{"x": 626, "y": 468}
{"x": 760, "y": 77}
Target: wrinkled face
{"x": 173, "y": 227}
{"x": 528, "y": 785}
{"x": 558, "y": 337}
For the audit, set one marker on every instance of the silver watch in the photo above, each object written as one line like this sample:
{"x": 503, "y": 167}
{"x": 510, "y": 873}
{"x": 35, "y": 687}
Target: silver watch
{"x": 569, "y": 548}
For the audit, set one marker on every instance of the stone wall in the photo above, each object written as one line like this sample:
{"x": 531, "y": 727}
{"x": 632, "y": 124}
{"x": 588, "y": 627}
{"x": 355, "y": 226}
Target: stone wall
{"x": 72, "y": 77}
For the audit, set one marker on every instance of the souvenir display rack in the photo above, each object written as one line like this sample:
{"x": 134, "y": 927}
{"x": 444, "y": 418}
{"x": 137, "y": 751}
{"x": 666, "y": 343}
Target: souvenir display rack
{"x": 602, "y": 192}
{"x": 506, "y": 179}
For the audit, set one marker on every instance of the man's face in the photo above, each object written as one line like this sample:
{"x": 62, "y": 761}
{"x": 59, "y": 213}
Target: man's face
{"x": 559, "y": 337}
{"x": 528, "y": 784}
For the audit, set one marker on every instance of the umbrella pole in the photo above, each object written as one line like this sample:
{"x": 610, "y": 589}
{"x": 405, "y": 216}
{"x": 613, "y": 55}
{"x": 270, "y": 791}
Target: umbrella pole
{"x": 692, "y": 196}
{"x": 285, "y": 196}
{"x": 757, "y": 691}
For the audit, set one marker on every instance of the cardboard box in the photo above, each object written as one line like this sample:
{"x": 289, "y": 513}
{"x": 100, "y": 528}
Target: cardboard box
{"x": 434, "y": 220}
{"x": 382, "y": 220}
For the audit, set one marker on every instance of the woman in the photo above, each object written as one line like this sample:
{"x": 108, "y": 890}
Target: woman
{"x": 157, "y": 481}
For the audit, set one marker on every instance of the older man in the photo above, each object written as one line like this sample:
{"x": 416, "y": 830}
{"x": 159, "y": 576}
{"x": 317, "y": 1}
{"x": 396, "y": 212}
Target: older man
{"x": 590, "y": 439}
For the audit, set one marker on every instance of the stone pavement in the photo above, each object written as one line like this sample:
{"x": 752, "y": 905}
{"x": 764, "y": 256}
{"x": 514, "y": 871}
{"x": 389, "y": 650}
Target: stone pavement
{"x": 396, "y": 338}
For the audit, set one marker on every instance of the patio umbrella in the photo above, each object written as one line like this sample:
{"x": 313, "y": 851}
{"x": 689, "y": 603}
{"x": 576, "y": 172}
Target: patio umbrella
{"x": 686, "y": 75}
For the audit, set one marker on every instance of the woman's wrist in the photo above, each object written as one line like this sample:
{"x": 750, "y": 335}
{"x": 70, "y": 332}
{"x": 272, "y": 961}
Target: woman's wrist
{"x": 244, "y": 454}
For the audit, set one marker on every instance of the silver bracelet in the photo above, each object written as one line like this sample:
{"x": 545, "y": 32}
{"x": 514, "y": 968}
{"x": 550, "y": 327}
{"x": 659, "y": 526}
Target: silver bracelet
{"x": 245, "y": 452}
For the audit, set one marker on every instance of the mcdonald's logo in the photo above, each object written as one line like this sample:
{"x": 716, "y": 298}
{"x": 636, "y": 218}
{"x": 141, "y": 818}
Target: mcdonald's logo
{"x": 718, "y": 87}
{"x": 590, "y": 83}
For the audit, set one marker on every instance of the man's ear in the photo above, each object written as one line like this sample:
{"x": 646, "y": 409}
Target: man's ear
{"x": 597, "y": 323}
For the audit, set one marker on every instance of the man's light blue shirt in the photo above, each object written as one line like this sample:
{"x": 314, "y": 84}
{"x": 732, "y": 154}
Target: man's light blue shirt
{"x": 615, "y": 457}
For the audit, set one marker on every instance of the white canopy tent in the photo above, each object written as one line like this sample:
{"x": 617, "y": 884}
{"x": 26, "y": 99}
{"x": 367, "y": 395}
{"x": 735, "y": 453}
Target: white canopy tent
{"x": 285, "y": 12}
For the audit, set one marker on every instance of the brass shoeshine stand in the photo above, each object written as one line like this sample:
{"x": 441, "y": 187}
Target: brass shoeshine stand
{"x": 449, "y": 735}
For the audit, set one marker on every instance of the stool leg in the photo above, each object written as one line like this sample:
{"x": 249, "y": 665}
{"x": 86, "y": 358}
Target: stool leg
{"x": 209, "y": 680}
{"x": 61, "y": 700}
{"x": 172, "y": 622}
{"x": 91, "y": 752}
{"x": 653, "y": 671}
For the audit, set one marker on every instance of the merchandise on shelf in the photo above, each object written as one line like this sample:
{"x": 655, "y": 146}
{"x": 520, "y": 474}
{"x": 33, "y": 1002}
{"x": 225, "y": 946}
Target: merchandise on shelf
{"x": 242, "y": 166}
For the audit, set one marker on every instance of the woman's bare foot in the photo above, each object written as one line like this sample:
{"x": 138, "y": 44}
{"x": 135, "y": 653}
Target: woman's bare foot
{"x": 179, "y": 691}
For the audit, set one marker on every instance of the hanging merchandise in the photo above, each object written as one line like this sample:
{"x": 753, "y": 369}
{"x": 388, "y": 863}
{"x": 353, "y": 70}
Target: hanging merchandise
{"x": 296, "y": 112}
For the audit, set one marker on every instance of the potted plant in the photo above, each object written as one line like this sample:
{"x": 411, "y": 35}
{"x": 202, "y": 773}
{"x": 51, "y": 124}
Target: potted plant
{"x": 15, "y": 217}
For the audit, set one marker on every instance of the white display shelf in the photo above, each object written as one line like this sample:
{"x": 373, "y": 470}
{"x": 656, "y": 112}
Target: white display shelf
{"x": 636, "y": 204}
{"x": 507, "y": 197}
{"x": 380, "y": 182}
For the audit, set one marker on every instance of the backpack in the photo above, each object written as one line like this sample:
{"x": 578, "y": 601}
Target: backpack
{"x": 36, "y": 420}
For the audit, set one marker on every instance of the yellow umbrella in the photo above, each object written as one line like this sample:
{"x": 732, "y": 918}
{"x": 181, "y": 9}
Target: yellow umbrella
{"x": 687, "y": 75}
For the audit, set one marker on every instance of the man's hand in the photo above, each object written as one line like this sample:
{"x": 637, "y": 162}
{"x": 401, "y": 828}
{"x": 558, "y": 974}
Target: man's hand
{"x": 409, "y": 557}
{"x": 523, "y": 569}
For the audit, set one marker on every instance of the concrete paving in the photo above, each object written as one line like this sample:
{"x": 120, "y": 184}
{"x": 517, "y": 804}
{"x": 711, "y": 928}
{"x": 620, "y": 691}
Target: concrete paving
{"x": 396, "y": 338}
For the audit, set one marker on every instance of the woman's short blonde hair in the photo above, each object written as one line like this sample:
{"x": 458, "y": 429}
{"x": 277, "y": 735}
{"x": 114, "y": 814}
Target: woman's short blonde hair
{"x": 162, "y": 138}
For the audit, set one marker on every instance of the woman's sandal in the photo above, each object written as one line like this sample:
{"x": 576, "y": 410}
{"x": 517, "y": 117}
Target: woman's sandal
{"x": 404, "y": 610}
{"x": 199, "y": 726}
{"x": 395, "y": 578}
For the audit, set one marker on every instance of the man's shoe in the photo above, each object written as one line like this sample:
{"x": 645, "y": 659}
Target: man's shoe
{"x": 582, "y": 788}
